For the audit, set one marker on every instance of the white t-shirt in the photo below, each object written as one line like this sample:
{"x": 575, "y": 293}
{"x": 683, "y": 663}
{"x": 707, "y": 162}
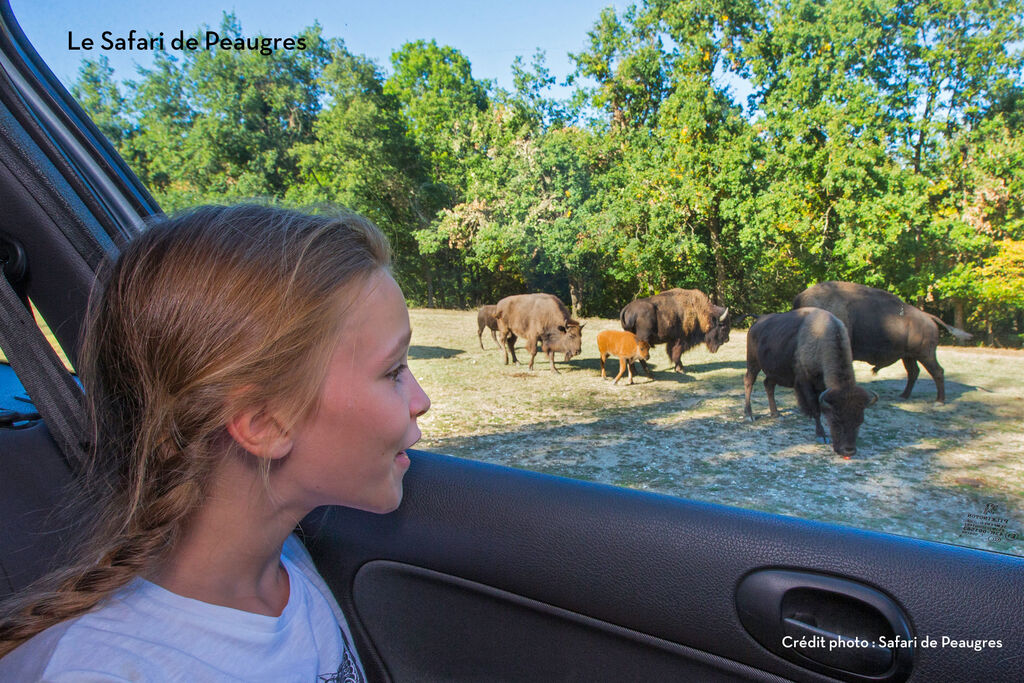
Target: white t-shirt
{"x": 146, "y": 633}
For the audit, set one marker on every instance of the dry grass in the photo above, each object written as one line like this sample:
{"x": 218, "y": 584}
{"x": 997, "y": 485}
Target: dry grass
{"x": 49, "y": 337}
{"x": 920, "y": 468}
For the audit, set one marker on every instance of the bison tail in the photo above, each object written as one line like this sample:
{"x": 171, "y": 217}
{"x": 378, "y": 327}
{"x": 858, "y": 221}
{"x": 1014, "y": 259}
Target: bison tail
{"x": 628, "y": 320}
{"x": 955, "y": 331}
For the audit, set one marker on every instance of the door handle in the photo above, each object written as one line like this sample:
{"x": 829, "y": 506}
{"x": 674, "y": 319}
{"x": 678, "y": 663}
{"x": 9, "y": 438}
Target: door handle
{"x": 827, "y": 624}
{"x": 837, "y": 650}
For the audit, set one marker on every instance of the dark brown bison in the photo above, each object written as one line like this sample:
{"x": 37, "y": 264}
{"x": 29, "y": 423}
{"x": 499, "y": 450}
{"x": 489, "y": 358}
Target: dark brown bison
{"x": 808, "y": 349}
{"x": 883, "y": 329}
{"x": 681, "y": 318}
{"x": 538, "y": 318}
{"x": 485, "y": 318}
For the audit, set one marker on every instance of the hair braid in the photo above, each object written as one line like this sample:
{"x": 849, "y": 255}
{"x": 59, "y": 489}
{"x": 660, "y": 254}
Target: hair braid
{"x": 81, "y": 587}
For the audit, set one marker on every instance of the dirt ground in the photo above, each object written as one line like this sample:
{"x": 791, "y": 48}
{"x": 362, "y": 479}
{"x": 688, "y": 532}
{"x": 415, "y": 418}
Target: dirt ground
{"x": 952, "y": 473}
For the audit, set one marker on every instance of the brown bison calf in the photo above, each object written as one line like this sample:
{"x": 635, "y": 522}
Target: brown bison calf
{"x": 626, "y": 347}
{"x": 808, "y": 349}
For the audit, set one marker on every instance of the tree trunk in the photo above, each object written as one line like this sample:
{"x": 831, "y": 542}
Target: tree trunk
{"x": 958, "y": 318}
{"x": 575, "y": 296}
{"x": 428, "y": 275}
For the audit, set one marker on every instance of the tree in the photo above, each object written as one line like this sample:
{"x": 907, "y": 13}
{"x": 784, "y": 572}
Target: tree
{"x": 98, "y": 92}
{"x": 440, "y": 102}
{"x": 221, "y": 123}
{"x": 533, "y": 109}
{"x": 625, "y": 57}
{"x": 360, "y": 156}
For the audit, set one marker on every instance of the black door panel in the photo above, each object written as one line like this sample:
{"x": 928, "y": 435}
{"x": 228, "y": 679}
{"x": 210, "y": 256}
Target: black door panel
{"x": 654, "y": 565}
{"x": 432, "y": 626}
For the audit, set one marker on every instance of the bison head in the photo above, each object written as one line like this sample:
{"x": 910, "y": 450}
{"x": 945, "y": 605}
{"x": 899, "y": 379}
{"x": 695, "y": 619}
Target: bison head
{"x": 844, "y": 411}
{"x": 643, "y": 350}
{"x": 567, "y": 338}
{"x": 718, "y": 333}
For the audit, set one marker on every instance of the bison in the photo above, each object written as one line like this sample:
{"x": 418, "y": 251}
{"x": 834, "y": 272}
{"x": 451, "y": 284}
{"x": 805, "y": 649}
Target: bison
{"x": 485, "y": 318}
{"x": 682, "y": 318}
{"x": 883, "y": 329}
{"x": 808, "y": 349}
{"x": 624, "y": 345}
{"x": 538, "y": 318}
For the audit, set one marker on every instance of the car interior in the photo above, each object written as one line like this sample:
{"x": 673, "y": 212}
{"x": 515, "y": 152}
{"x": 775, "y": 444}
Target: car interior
{"x": 486, "y": 572}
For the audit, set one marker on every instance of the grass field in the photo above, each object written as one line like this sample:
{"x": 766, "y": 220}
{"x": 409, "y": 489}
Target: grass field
{"x": 920, "y": 468}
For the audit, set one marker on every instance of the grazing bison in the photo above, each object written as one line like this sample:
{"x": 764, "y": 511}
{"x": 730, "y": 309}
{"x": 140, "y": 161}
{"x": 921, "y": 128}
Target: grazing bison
{"x": 682, "y": 318}
{"x": 883, "y": 329}
{"x": 808, "y": 349}
{"x": 485, "y": 318}
{"x": 538, "y": 317}
{"x": 624, "y": 345}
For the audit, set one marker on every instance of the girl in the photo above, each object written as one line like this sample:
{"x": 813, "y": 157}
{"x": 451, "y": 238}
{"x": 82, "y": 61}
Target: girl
{"x": 243, "y": 366}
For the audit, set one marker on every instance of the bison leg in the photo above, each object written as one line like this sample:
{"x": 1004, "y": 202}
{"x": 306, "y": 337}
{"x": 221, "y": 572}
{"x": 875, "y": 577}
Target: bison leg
{"x": 819, "y": 431}
{"x": 510, "y": 348}
{"x": 551, "y": 357}
{"x": 912, "y": 372}
{"x": 647, "y": 370}
{"x": 807, "y": 397}
{"x": 480, "y": 337}
{"x": 748, "y": 386}
{"x": 603, "y": 375}
{"x": 531, "y": 343}
{"x": 675, "y": 352}
{"x": 623, "y": 364}
{"x": 769, "y": 390}
{"x": 935, "y": 370}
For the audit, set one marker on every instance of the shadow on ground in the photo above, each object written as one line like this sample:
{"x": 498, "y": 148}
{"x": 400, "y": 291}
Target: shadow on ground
{"x": 432, "y": 352}
{"x": 924, "y": 389}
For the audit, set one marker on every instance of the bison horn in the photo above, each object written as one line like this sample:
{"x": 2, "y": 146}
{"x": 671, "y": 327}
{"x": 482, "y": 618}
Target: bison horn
{"x": 874, "y": 398}
{"x": 725, "y": 313}
{"x": 822, "y": 397}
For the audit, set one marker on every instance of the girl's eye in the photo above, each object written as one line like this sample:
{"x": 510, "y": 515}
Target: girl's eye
{"x": 397, "y": 372}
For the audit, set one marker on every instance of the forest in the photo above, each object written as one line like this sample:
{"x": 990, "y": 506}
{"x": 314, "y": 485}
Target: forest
{"x": 882, "y": 142}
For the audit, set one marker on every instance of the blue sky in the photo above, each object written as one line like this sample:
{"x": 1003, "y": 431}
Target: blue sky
{"x": 490, "y": 33}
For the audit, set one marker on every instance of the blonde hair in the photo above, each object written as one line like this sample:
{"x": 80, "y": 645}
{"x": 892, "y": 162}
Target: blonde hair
{"x": 215, "y": 310}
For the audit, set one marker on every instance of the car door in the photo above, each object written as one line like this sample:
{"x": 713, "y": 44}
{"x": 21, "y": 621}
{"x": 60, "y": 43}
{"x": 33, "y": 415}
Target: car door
{"x": 491, "y": 573}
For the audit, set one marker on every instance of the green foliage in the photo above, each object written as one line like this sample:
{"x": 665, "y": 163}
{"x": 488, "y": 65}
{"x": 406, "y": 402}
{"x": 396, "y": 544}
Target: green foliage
{"x": 99, "y": 94}
{"x": 361, "y": 157}
{"x": 440, "y": 102}
{"x": 221, "y": 124}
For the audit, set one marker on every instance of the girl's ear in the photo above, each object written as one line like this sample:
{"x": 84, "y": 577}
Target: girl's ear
{"x": 260, "y": 432}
